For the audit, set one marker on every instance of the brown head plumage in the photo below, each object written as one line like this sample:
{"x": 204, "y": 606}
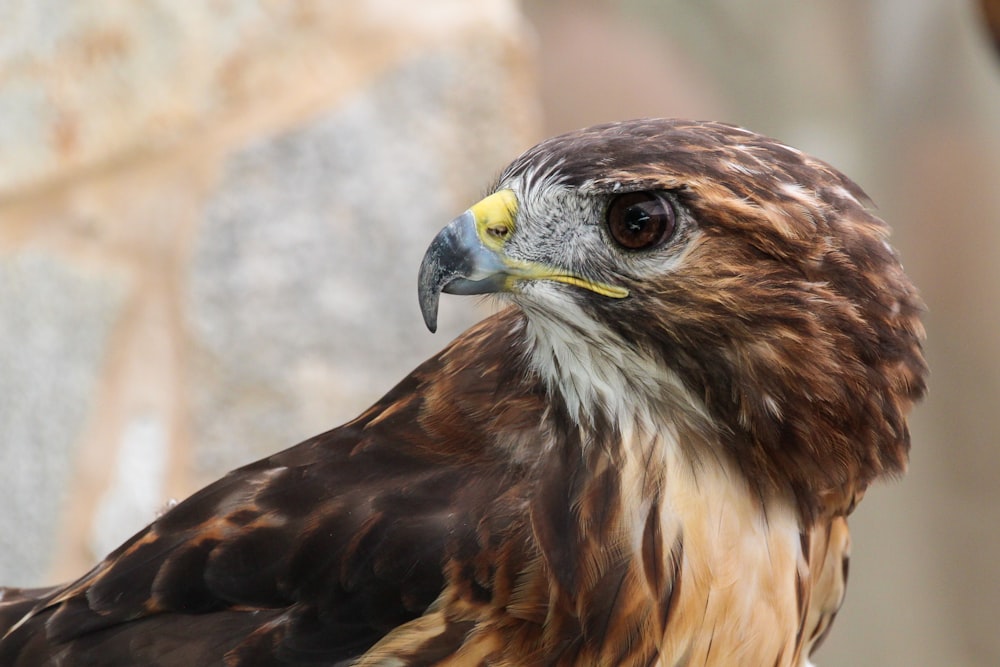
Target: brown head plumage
{"x": 779, "y": 301}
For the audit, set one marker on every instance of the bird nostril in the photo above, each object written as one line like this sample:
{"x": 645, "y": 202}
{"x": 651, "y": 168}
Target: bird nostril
{"x": 498, "y": 231}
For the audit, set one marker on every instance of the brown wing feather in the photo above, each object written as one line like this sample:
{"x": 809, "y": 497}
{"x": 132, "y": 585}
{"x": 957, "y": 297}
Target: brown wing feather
{"x": 313, "y": 553}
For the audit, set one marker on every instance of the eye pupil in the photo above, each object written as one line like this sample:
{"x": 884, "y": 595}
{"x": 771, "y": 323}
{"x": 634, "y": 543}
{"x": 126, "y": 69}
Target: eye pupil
{"x": 640, "y": 220}
{"x": 636, "y": 219}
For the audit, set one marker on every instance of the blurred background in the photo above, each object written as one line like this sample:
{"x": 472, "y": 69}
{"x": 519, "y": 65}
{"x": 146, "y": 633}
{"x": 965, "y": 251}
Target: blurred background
{"x": 211, "y": 217}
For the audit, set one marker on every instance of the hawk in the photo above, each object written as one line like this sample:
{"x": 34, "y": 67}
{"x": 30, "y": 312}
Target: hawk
{"x": 647, "y": 459}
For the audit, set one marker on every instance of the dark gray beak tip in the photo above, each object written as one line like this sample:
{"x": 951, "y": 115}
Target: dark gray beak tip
{"x": 429, "y": 285}
{"x": 457, "y": 263}
{"x": 436, "y": 271}
{"x": 443, "y": 259}
{"x": 429, "y": 306}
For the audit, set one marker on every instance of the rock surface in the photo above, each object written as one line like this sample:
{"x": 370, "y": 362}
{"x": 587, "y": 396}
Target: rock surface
{"x": 211, "y": 220}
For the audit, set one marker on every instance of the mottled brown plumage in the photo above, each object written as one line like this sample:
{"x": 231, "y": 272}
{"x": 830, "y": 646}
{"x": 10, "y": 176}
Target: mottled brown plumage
{"x": 648, "y": 459}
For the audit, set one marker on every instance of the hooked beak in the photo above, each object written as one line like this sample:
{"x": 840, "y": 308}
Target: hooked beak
{"x": 467, "y": 257}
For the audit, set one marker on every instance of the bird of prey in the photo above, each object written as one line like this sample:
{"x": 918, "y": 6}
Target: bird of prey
{"x": 647, "y": 458}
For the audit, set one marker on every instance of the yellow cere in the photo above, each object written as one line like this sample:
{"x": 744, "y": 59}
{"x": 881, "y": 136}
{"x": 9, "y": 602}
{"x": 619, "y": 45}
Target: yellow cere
{"x": 495, "y": 218}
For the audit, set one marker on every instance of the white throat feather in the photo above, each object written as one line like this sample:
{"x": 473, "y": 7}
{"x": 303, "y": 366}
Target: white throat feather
{"x": 599, "y": 374}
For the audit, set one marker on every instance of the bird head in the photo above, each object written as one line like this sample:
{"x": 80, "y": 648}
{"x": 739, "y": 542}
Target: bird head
{"x": 705, "y": 261}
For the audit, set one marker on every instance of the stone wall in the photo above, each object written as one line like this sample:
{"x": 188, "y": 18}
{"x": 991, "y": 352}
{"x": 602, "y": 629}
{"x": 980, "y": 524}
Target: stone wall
{"x": 211, "y": 218}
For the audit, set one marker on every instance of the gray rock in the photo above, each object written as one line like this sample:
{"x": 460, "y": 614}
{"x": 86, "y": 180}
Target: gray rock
{"x": 54, "y": 334}
{"x": 302, "y": 294}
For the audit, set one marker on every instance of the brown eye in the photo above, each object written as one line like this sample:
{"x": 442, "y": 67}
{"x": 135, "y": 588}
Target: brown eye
{"x": 640, "y": 220}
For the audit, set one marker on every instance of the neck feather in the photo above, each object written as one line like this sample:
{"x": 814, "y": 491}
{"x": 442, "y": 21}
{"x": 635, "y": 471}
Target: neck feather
{"x": 600, "y": 377}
